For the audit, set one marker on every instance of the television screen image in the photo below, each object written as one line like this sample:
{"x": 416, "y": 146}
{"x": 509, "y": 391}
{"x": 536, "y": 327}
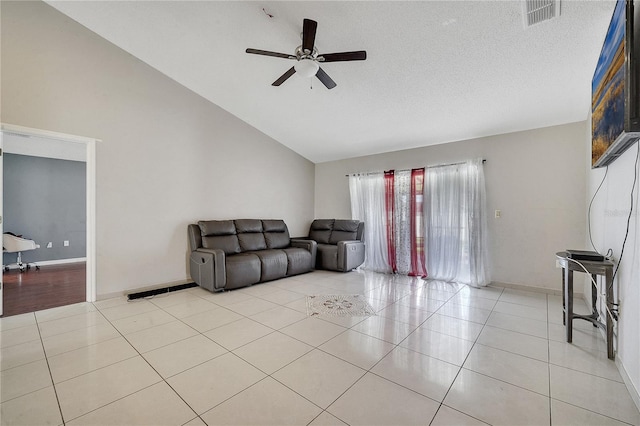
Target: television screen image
{"x": 608, "y": 87}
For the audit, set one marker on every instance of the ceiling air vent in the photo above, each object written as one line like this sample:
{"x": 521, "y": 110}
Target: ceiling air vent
{"x": 536, "y": 11}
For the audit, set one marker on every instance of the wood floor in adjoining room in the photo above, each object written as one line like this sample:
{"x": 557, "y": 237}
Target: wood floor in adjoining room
{"x": 49, "y": 287}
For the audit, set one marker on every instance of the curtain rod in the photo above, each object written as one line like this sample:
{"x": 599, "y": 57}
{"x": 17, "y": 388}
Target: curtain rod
{"x": 407, "y": 170}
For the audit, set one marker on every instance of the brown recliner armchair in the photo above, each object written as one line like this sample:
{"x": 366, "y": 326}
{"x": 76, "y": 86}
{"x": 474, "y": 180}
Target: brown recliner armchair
{"x": 340, "y": 243}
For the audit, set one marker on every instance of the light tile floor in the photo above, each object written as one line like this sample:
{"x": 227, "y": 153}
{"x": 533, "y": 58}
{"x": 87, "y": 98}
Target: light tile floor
{"x": 436, "y": 353}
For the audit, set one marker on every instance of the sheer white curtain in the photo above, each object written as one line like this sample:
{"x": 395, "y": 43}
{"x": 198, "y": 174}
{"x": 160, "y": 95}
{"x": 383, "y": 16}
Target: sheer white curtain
{"x": 368, "y": 205}
{"x": 456, "y": 223}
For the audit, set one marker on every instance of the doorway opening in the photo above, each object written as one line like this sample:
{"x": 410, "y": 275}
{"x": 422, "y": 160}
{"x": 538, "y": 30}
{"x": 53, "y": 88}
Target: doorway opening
{"x": 49, "y": 193}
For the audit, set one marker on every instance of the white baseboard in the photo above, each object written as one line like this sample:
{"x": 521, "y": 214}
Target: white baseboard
{"x": 51, "y": 262}
{"x": 627, "y": 381}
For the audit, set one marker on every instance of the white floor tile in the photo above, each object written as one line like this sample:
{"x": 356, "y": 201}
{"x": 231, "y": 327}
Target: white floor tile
{"x": 281, "y": 297}
{"x": 357, "y": 348}
{"x": 135, "y": 323}
{"x": 489, "y": 292}
{"x": 226, "y": 298}
{"x": 190, "y": 307}
{"x": 36, "y": 408}
{"x": 251, "y": 307}
{"x": 24, "y": 379}
{"x": 17, "y": 336}
{"x": 279, "y": 317}
{"x": 518, "y": 324}
{"x": 166, "y": 300}
{"x": 570, "y": 415}
{"x": 520, "y": 355}
{"x": 155, "y": 337}
{"x": 437, "y": 345}
{"x": 455, "y": 327}
{"x": 89, "y": 358}
{"x": 24, "y": 353}
{"x": 208, "y": 384}
{"x": 156, "y": 405}
{"x": 179, "y": 356}
{"x": 313, "y": 331}
{"x": 496, "y": 402}
{"x": 449, "y": 417}
{"x": 589, "y": 338}
{"x": 64, "y": 311}
{"x": 527, "y": 298}
{"x": 272, "y": 352}
{"x": 238, "y": 333}
{"x": 404, "y": 313}
{"x": 75, "y": 322}
{"x": 17, "y": 321}
{"x": 376, "y": 401}
{"x": 474, "y": 302}
{"x": 319, "y": 377}
{"x": 326, "y": 419}
{"x": 131, "y": 308}
{"x": 385, "y": 329}
{"x": 603, "y": 396}
{"x": 423, "y": 374}
{"x": 76, "y": 339}
{"x": 518, "y": 370}
{"x": 588, "y": 361}
{"x": 464, "y": 312}
{"x": 518, "y": 343}
{"x": 93, "y": 390}
{"x": 532, "y": 312}
{"x": 209, "y": 320}
{"x": 267, "y": 402}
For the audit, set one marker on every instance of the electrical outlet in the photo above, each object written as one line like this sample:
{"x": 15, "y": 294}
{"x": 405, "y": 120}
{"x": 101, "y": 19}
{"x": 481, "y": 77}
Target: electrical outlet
{"x": 498, "y": 214}
{"x": 49, "y": 244}
{"x": 66, "y": 243}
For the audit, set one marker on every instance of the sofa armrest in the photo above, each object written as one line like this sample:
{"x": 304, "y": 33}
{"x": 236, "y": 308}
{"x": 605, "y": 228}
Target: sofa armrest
{"x": 350, "y": 255}
{"x": 310, "y": 245}
{"x": 207, "y": 267}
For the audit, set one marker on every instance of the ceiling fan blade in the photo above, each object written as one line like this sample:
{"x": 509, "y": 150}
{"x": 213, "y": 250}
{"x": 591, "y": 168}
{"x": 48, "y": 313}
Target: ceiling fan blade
{"x": 309, "y": 34}
{"x": 325, "y": 79}
{"x": 360, "y": 55}
{"x": 267, "y": 53}
{"x": 291, "y": 71}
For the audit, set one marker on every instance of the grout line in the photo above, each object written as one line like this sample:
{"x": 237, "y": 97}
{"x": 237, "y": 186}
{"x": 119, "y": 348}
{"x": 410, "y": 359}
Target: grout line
{"x": 53, "y": 383}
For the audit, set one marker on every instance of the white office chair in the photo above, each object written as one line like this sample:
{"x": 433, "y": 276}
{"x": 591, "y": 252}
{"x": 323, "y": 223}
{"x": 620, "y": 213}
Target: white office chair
{"x": 14, "y": 244}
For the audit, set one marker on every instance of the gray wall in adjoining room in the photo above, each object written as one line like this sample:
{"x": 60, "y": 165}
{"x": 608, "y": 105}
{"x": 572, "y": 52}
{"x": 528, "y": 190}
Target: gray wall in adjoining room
{"x": 45, "y": 200}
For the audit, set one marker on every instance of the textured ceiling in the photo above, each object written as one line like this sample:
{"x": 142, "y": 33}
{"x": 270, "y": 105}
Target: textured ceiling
{"x": 437, "y": 71}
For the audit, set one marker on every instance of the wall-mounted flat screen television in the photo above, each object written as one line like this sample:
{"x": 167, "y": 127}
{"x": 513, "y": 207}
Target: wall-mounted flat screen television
{"x": 615, "y": 119}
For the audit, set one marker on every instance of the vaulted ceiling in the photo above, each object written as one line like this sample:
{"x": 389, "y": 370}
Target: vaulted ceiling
{"x": 436, "y": 71}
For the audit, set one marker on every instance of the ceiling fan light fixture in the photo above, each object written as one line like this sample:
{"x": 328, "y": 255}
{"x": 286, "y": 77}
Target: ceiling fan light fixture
{"x": 306, "y": 67}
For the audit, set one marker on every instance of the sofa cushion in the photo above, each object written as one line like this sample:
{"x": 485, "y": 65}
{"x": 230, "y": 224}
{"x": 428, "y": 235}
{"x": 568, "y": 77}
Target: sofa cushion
{"x": 276, "y": 234}
{"x": 242, "y": 269}
{"x": 344, "y": 230}
{"x": 250, "y": 235}
{"x": 219, "y": 234}
{"x": 248, "y": 225}
{"x": 327, "y": 257}
{"x": 216, "y": 227}
{"x": 273, "y": 264}
{"x": 321, "y": 230}
{"x": 298, "y": 261}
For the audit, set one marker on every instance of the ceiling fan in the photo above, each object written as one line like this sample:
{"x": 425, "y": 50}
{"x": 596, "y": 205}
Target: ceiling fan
{"x": 308, "y": 59}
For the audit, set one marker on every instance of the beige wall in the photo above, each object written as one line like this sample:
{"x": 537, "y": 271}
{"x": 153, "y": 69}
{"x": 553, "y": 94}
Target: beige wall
{"x": 167, "y": 158}
{"x": 536, "y": 178}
